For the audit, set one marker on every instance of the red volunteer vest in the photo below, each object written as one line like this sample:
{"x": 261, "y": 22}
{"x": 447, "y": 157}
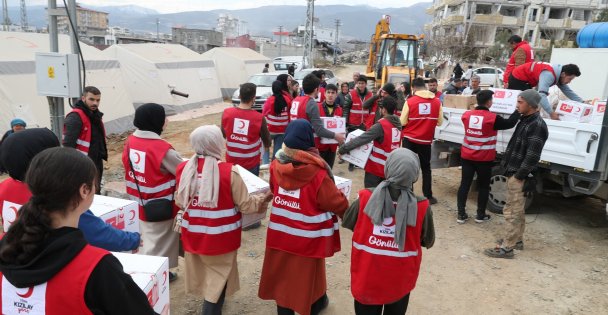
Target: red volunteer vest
{"x": 278, "y": 123}
{"x": 422, "y": 119}
{"x": 13, "y": 195}
{"x": 357, "y": 114}
{"x": 212, "y": 231}
{"x": 479, "y": 136}
{"x": 298, "y": 108}
{"x": 63, "y": 294}
{"x": 511, "y": 65}
{"x": 84, "y": 138}
{"x": 370, "y": 116}
{"x": 243, "y": 141}
{"x": 146, "y": 157}
{"x": 297, "y": 225}
{"x": 380, "y": 151}
{"x": 530, "y": 72}
{"x": 336, "y": 113}
{"x": 374, "y": 247}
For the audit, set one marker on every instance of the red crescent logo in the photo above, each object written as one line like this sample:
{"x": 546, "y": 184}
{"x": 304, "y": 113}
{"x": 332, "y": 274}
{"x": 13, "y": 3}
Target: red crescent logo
{"x": 15, "y": 211}
{"x": 577, "y": 109}
{"x": 242, "y": 124}
{"x": 164, "y": 277}
{"x": 365, "y": 147}
{"x": 391, "y": 223}
{"x": 132, "y": 212}
{"x": 426, "y": 107}
{"x": 28, "y": 293}
{"x": 137, "y": 158}
{"x": 476, "y": 120}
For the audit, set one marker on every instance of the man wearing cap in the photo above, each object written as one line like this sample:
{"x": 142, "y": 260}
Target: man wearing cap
{"x": 522, "y": 53}
{"x": 519, "y": 160}
{"x": 544, "y": 75}
{"x": 375, "y": 102}
{"x": 478, "y": 152}
{"x": 17, "y": 125}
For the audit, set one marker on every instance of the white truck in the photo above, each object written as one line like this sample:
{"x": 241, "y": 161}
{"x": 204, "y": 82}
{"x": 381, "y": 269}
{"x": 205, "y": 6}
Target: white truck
{"x": 574, "y": 160}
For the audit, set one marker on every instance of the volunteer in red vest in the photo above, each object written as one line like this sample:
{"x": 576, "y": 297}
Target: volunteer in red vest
{"x": 329, "y": 108}
{"x": 305, "y": 107}
{"x": 544, "y": 75}
{"x": 478, "y": 153}
{"x": 433, "y": 85}
{"x": 322, "y": 85}
{"x": 303, "y": 227}
{"x": 353, "y": 109}
{"x": 522, "y": 53}
{"x": 83, "y": 130}
{"x": 375, "y": 102}
{"x": 150, "y": 164}
{"x": 245, "y": 130}
{"x": 390, "y": 227}
{"x": 276, "y": 112}
{"x": 46, "y": 265}
{"x": 213, "y": 196}
{"x": 421, "y": 114}
{"x": 385, "y": 136}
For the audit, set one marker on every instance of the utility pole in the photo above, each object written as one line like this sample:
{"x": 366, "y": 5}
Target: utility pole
{"x": 23, "y": 16}
{"x": 74, "y": 40}
{"x": 307, "y": 59}
{"x": 157, "y": 30}
{"x": 280, "y": 40}
{"x": 6, "y": 21}
{"x": 55, "y": 103}
{"x": 337, "y": 40}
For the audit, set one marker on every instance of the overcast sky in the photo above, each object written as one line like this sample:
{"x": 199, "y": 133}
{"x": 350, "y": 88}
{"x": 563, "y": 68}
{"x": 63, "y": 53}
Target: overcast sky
{"x": 170, "y": 6}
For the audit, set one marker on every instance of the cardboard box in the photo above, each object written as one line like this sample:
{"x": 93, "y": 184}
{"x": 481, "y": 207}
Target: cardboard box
{"x": 359, "y": 155}
{"x": 459, "y": 101}
{"x": 599, "y": 108}
{"x": 255, "y": 185}
{"x": 335, "y": 125}
{"x": 504, "y": 101}
{"x": 574, "y": 111}
{"x": 345, "y": 185}
{"x": 121, "y": 213}
{"x": 151, "y": 274}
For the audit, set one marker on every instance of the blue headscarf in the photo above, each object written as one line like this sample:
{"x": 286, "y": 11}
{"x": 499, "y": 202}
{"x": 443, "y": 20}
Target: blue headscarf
{"x": 299, "y": 135}
{"x": 18, "y": 121}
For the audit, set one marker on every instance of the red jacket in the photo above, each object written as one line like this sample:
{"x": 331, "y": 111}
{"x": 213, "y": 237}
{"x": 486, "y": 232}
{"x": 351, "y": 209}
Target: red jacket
{"x": 530, "y": 72}
{"x": 479, "y": 136}
{"x": 297, "y": 110}
{"x": 64, "y": 293}
{"x": 242, "y": 128}
{"x": 84, "y": 138}
{"x": 212, "y": 231}
{"x": 357, "y": 114}
{"x": 380, "y": 151}
{"x": 374, "y": 247}
{"x": 13, "y": 195}
{"x": 277, "y": 123}
{"x": 336, "y": 113}
{"x": 422, "y": 119}
{"x": 511, "y": 65}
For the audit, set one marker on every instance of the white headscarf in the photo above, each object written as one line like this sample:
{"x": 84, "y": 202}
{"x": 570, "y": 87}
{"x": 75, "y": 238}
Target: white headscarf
{"x": 207, "y": 142}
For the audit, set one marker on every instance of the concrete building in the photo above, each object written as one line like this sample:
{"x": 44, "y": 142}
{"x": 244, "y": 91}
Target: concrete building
{"x": 537, "y": 21}
{"x": 231, "y": 26}
{"x": 197, "y": 39}
{"x": 92, "y": 25}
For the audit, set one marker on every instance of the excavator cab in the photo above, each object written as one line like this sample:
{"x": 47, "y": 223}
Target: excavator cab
{"x": 397, "y": 59}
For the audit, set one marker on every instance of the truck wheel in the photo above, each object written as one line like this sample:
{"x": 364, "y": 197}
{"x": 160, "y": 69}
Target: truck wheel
{"x": 498, "y": 192}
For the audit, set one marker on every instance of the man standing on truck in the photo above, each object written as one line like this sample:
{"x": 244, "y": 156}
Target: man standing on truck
{"x": 545, "y": 75}
{"x": 478, "y": 152}
{"x": 520, "y": 159}
{"x": 522, "y": 53}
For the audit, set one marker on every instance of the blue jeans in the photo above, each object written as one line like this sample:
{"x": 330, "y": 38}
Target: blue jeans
{"x": 277, "y": 141}
{"x": 255, "y": 170}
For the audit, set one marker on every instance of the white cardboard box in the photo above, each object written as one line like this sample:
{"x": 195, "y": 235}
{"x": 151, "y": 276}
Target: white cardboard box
{"x": 359, "y": 155}
{"x": 151, "y": 274}
{"x": 574, "y": 111}
{"x": 335, "y": 125}
{"x": 120, "y": 213}
{"x": 255, "y": 185}
{"x": 345, "y": 185}
{"x": 504, "y": 101}
{"x": 599, "y": 108}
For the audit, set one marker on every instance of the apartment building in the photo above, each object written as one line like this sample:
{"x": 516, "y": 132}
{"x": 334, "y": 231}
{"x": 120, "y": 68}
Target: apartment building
{"x": 197, "y": 39}
{"x": 92, "y": 25}
{"x": 538, "y": 21}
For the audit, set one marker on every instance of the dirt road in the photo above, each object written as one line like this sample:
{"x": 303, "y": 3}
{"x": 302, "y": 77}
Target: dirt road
{"x": 563, "y": 269}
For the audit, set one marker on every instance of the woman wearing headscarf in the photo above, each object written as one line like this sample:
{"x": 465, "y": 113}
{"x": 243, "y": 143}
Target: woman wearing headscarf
{"x": 17, "y": 125}
{"x": 390, "y": 225}
{"x": 303, "y": 226}
{"x": 276, "y": 112}
{"x": 213, "y": 196}
{"x": 150, "y": 164}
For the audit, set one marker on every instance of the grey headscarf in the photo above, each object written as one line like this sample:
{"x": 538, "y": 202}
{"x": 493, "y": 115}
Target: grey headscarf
{"x": 401, "y": 171}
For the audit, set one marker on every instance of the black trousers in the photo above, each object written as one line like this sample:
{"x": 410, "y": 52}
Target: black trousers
{"x": 99, "y": 167}
{"x": 397, "y": 308}
{"x": 329, "y": 157}
{"x": 484, "y": 173}
{"x": 214, "y": 308}
{"x": 516, "y": 84}
{"x": 424, "y": 155}
{"x": 370, "y": 180}
{"x": 315, "y": 308}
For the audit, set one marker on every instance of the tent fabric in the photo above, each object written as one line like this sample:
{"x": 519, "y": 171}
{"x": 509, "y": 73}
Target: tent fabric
{"x": 152, "y": 70}
{"x": 18, "y": 93}
{"x": 235, "y": 66}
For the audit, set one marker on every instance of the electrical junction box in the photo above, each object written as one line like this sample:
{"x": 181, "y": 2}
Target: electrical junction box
{"x": 57, "y": 74}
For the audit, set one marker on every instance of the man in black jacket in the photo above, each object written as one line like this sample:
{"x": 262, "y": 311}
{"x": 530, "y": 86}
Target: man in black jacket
{"x": 76, "y": 132}
{"x": 520, "y": 159}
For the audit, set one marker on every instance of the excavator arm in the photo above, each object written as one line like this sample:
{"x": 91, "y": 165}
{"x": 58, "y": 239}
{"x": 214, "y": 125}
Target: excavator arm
{"x": 383, "y": 27}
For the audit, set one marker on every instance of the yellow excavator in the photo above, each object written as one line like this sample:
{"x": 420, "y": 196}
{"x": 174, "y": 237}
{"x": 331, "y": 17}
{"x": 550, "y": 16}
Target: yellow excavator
{"x": 393, "y": 57}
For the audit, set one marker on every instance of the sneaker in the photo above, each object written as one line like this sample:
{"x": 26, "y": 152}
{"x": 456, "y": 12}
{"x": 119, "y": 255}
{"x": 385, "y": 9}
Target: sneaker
{"x": 519, "y": 245}
{"x": 172, "y": 276}
{"x": 462, "y": 218}
{"x": 351, "y": 167}
{"x": 264, "y": 166}
{"x": 432, "y": 200}
{"x": 499, "y": 252}
{"x": 485, "y": 218}
{"x": 253, "y": 226}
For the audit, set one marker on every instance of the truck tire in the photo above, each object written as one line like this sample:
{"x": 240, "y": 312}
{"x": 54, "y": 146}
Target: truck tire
{"x": 498, "y": 192}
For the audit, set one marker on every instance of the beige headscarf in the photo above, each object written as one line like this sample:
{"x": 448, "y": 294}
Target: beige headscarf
{"x": 208, "y": 142}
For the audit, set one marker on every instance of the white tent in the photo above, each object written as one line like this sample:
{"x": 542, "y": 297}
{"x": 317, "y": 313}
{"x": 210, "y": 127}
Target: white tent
{"x": 152, "y": 71}
{"x": 235, "y": 65}
{"x": 18, "y": 96}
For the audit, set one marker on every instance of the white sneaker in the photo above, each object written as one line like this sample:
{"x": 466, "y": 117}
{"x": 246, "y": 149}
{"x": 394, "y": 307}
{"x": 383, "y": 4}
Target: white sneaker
{"x": 264, "y": 166}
